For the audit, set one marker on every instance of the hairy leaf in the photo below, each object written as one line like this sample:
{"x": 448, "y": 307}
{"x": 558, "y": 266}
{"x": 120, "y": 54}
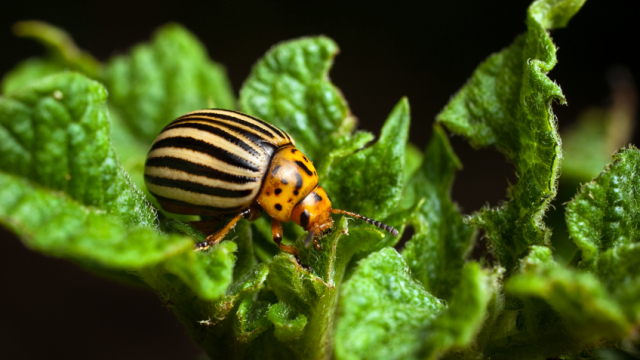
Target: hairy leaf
{"x": 619, "y": 271}
{"x": 435, "y": 254}
{"x": 56, "y": 133}
{"x": 164, "y": 79}
{"x": 507, "y": 103}
{"x": 315, "y": 294}
{"x": 370, "y": 181}
{"x": 53, "y": 223}
{"x": 288, "y": 324}
{"x": 290, "y": 88}
{"x": 579, "y": 299}
{"x": 605, "y": 212}
{"x": 457, "y": 326}
{"x": 383, "y": 310}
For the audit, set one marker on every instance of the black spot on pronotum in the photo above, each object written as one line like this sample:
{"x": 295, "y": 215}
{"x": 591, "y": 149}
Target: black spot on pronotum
{"x": 305, "y": 158}
{"x": 278, "y": 207}
{"x": 275, "y": 170}
{"x": 296, "y": 192}
{"x": 304, "y": 167}
{"x": 298, "y": 181}
{"x": 278, "y": 191}
{"x": 318, "y": 197}
{"x": 304, "y": 218}
{"x": 293, "y": 151}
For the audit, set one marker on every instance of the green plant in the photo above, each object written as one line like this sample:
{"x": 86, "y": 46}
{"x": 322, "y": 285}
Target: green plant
{"x": 71, "y": 161}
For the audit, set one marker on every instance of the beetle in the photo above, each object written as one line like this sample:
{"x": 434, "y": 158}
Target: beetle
{"x": 226, "y": 164}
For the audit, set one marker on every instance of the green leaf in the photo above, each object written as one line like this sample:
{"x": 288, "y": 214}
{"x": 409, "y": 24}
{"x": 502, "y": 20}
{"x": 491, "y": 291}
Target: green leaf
{"x": 507, "y": 103}
{"x": 56, "y": 133}
{"x": 28, "y": 71}
{"x": 315, "y": 294}
{"x": 386, "y": 314}
{"x": 383, "y": 310}
{"x": 435, "y": 255}
{"x": 604, "y": 213}
{"x": 456, "y": 327}
{"x": 619, "y": 271}
{"x": 370, "y": 181}
{"x": 288, "y": 324}
{"x": 164, "y": 79}
{"x": 55, "y": 224}
{"x": 251, "y": 319}
{"x": 290, "y": 88}
{"x": 585, "y": 308}
{"x": 209, "y": 273}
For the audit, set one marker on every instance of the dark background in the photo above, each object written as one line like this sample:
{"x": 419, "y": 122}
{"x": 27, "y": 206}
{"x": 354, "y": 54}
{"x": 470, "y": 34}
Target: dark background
{"x": 51, "y": 309}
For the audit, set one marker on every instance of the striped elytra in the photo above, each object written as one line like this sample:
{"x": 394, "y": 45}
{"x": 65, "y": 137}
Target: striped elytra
{"x": 222, "y": 163}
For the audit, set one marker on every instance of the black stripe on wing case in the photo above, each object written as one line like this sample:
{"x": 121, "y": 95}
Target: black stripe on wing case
{"x": 196, "y": 188}
{"x": 264, "y": 143}
{"x": 198, "y": 169}
{"x": 203, "y": 207}
{"x": 205, "y": 148}
{"x": 269, "y": 125}
{"x": 221, "y": 133}
{"x": 232, "y": 119}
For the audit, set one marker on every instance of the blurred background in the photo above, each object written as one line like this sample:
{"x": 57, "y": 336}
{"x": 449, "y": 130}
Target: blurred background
{"x": 51, "y": 309}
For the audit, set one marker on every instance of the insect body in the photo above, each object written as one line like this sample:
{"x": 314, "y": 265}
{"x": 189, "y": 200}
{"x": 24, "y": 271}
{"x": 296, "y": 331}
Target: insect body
{"x": 222, "y": 163}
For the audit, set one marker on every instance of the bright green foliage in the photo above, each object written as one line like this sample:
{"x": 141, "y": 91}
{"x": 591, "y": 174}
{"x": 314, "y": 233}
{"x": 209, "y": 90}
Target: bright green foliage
{"x": 507, "y": 104}
{"x": 386, "y": 314}
{"x": 315, "y": 295}
{"x": 69, "y": 170}
{"x": 383, "y": 310}
{"x": 288, "y": 324}
{"x": 435, "y": 254}
{"x": 604, "y": 214}
{"x": 290, "y": 88}
{"x": 581, "y": 302}
{"x": 457, "y": 326}
{"x": 160, "y": 81}
{"x": 57, "y": 225}
{"x": 619, "y": 270}
{"x": 356, "y": 181}
{"x": 56, "y": 133}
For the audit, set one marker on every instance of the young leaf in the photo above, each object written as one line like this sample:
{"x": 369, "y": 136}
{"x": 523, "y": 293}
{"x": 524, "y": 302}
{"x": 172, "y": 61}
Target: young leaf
{"x": 290, "y": 88}
{"x": 370, "y": 181}
{"x": 251, "y": 319}
{"x": 435, "y": 255}
{"x": 315, "y": 294}
{"x": 507, "y": 103}
{"x": 619, "y": 270}
{"x": 383, "y": 310}
{"x": 604, "y": 213}
{"x": 584, "y": 306}
{"x": 160, "y": 81}
{"x": 457, "y": 326}
{"x": 288, "y": 324}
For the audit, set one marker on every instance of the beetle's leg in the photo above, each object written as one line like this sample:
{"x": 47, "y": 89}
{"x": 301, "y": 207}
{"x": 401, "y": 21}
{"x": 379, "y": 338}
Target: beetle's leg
{"x": 276, "y": 232}
{"x": 217, "y": 237}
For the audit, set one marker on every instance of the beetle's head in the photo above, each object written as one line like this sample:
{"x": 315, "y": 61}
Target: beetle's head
{"x": 313, "y": 213}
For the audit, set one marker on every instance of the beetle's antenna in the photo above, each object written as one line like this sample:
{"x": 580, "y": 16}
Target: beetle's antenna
{"x": 378, "y": 224}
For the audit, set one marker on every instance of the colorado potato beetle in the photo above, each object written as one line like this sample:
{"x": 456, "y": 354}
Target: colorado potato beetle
{"x": 225, "y": 164}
